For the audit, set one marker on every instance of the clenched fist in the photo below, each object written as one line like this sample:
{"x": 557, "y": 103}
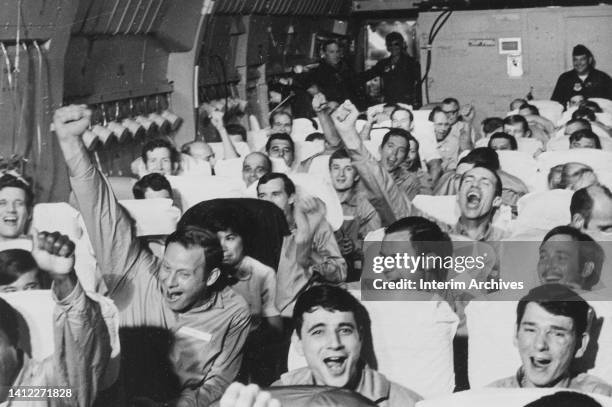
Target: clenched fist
{"x": 70, "y": 122}
{"x": 54, "y": 253}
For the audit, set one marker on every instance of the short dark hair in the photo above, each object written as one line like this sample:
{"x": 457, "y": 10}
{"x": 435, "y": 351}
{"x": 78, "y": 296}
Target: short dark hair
{"x": 279, "y": 136}
{"x": 482, "y": 157}
{"x": 448, "y": 101}
{"x": 326, "y": 43}
{"x": 435, "y": 111}
{"x": 339, "y": 154}
{"x": 289, "y": 186}
{"x": 426, "y": 237}
{"x": 408, "y": 137}
{"x": 394, "y": 36}
{"x": 581, "y": 50}
{"x": 193, "y": 236}
{"x": 160, "y": 143}
{"x": 589, "y": 251}
{"x": 155, "y": 181}
{"x": 584, "y": 133}
{"x": 330, "y": 298}
{"x": 238, "y": 129}
{"x": 558, "y": 300}
{"x": 582, "y": 203}
{"x": 490, "y": 124}
{"x": 516, "y": 119}
{"x": 565, "y": 399}
{"x": 278, "y": 113}
{"x": 315, "y": 136}
{"x": 532, "y": 109}
{"x": 9, "y": 323}
{"x": 589, "y": 104}
{"x": 584, "y": 112}
{"x": 9, "y": 180}
{"x": 498, "y": 182}
{"x": 16, "y": 262}
{"x": 584, "y": 122}
{"x": 504, "y": 136}
{"x": 233, "y": 218}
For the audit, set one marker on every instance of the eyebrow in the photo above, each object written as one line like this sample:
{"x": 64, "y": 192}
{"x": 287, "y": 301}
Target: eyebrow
{"x": 316, "y": 326}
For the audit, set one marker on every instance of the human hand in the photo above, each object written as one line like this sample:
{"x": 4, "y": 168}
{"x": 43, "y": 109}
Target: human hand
{"x": 70, "y": 122}
{"x": 54, "y": 253}
{"x": 239, "y": 395}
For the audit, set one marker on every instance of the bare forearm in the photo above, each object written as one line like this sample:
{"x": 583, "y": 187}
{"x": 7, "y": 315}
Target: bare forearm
{"x": 329, "y": 130}
{"x": 229, "y": 150}
{"x": 64, "y": 285}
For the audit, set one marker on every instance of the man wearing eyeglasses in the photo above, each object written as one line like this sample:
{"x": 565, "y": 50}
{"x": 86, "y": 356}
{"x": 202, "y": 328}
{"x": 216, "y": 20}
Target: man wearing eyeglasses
{"x": 400, "y": 73}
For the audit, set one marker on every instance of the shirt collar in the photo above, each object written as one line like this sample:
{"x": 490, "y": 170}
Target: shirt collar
{"x": 487, "y": 235}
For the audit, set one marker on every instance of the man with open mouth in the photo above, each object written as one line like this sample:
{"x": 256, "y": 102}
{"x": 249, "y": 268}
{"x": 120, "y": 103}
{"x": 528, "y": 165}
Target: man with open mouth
{"x": 551, "y": 331}
{"x": 204, "y": 323}
{"x": 16, "y": 200}
{"x": 331, "y": 326}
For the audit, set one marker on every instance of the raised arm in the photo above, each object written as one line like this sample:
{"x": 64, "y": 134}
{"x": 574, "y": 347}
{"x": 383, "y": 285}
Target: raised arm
{"x": 117, "y": 250}
{"x": 229, "y": 150}
{"x": 319, "y": 105}
{"x": 82, "y": 341}
{"x": 385, "y": 196}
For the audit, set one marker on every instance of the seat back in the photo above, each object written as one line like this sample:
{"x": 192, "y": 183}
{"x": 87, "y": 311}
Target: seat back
{"x": 152, "y": 217}
{"x": 597, "y": 159}
{"x": 301, "y": 128}
{"x": 319, "y": 187}
{"x": 229, "y": 168}
{"x": 441, "y": 208}
{"x": 242, "y": 149}
{"x": 605, "y": 104}
{"x": 521, "y": 165}
{"x": 529, "y": 145}
{"x": 545, "y": 209}
{"x": 320, "y": 167}
{"x": 192, "y": 190}
{"x": 549, "y": 109}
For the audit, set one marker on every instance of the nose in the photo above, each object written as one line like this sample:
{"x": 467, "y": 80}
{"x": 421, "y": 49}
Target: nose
{"x": 12, "y": 207}
{"x": 333, "y": 341}
{"x": 541, "y": 340}
{"x": 171, "y": 280}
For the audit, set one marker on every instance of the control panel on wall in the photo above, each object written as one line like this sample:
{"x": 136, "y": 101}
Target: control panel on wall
{"x": 512, "y": 48}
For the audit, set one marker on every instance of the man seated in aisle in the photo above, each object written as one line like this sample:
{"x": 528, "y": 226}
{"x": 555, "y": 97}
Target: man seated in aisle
{"x": 570, "y": 257}
{"x": 281, "y": 122}
{"x": 255, "y": 166}
{"x": 589, "y": 115}
{"x": 331, "y": 326}
{"x": 551, "y": 331}
{"x": 207, "y": 323}
{"x": 16, "y": 203}
{"x": 281, "y": 145}
{"x": 513, "y": 187}
{"x": 151, "y": 186}
{"x": 591, "y": 211}
{"x": 199, "y": 151}
{"x": 360, "y": 217}
{"x": 82, "y": 343}
{"x": 502, "y": 141}
{"x": 584, "y": 139}
{"x": 310, "y": 252}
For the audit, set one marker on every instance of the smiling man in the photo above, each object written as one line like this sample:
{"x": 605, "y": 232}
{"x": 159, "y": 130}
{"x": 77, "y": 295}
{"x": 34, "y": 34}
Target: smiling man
{"x": 479, "y": 196}
{"x": 207, "y": 323}
{"x": 571, "y": 258}
{"x": 331, "y": 326}
{"x": 16, "y": 200}
{"x": 584, "y": 78}
{"x": 551, "y": 331}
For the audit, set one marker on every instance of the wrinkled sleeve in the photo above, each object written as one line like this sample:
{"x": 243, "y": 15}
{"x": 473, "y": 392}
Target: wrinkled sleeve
{"x": 82, "y": 344}
{"x": 327, "y": 259}
{"x": 118, "y": 252}
{"x": 268, "y": 294}
{"x": 225, "y": 367}
{"x": 390, "y": 203}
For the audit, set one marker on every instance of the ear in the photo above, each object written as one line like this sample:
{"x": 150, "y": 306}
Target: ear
{"x": 587, "y": 269}
{"x": 578, "y": 221}
{"x": 528, "y": 133}
{"x": 291, "y": 199}
{"x": 213, "y": 276}
{"x": 582, "y": 346}
{"x": 515, "y": 338}
{"x": 497, "y": 201}
{"x": 356, "y": 179}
